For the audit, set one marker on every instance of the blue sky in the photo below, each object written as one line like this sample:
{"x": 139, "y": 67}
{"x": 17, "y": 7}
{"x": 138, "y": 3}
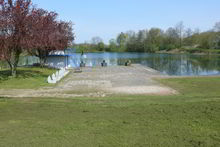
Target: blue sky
{"x": 107, "y": 18}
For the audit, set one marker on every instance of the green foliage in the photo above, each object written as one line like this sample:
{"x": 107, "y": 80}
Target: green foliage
{"x": 101, "y": 46}
{"x": 156, "y": 40}
{"x": 112, "y": 46}
{"x": 85, "y": 48}
{"x": 121, "y": 40}
{"x": 205, "y": 40}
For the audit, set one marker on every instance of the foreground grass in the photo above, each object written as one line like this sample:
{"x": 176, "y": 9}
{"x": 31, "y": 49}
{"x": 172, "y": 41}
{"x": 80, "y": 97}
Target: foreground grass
{"x": 28, "y": 78}
{"x": 200, "y": 86}
{"x": 189, "y": 119}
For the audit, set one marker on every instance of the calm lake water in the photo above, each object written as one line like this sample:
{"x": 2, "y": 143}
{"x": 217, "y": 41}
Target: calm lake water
{"x": 23, "y": 61}
{"x": 180, "y": 65}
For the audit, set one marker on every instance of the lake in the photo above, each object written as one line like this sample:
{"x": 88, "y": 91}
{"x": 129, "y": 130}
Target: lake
{"x": 170, "y": 64}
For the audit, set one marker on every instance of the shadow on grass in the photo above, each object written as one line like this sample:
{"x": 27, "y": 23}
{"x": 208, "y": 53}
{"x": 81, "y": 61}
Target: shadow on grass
{"x": 22, "y": 74}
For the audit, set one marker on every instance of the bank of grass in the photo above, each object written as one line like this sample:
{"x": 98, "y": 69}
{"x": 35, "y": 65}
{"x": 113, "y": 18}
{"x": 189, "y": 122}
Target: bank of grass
{"x": 27, "y": 78}
{"x": 189, "y": 119}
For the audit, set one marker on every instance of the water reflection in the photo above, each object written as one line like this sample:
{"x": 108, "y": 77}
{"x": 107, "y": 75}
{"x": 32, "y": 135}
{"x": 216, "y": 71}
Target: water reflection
{"x": 23, "y": 61}
{"x": 182, "y": 65}
{"x": 28, "y": 60}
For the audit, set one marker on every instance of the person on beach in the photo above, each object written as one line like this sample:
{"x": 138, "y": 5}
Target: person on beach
{"x": 82, "y": 53}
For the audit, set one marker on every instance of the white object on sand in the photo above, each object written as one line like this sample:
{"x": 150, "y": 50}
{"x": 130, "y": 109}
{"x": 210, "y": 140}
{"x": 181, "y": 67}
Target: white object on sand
{"x": 57, "y": 76}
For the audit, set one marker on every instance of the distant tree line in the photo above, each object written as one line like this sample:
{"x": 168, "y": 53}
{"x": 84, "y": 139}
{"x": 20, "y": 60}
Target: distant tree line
{"x": 156, "y": 39}
{"x": 25, "y": 28}
{"x": 95, "y": 45}
{"x": 177, "y": 37}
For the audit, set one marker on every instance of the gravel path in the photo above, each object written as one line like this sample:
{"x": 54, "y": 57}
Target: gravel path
{"x": 101, "y": 82}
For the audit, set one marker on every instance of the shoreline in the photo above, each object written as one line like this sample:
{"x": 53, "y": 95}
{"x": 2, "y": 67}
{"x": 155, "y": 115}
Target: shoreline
{"x": 174, "y": 51}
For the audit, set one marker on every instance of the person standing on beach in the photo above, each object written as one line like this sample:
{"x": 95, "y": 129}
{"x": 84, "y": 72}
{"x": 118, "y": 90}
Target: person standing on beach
{"x": 82, "y": 53}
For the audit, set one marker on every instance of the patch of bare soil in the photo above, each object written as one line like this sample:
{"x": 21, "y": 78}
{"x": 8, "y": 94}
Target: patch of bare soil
{"x": 133, "y": 90}
{"x": 100, "y": 82}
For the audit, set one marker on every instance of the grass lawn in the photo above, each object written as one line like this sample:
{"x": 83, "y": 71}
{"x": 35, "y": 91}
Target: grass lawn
{"x": 204, "y": 86}
{"x": 189, "y": 119}
{"x": 28, "y": 78}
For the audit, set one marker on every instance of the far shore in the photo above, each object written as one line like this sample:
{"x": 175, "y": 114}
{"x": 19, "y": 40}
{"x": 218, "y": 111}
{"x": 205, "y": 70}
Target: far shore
{"x": 173, "y": 51}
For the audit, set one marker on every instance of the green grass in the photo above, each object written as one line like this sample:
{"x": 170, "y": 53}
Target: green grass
{"x": 201, "y": 86}
{"x": 189, "y": 119}
{"x": 28, "y": 78}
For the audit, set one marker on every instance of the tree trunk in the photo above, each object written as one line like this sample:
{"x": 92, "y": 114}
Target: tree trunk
{"x": 42, "y": 54}
{"x": 14, "y": 71}
{"x": 42, "y": 62}
{"x": 14, "y": 62}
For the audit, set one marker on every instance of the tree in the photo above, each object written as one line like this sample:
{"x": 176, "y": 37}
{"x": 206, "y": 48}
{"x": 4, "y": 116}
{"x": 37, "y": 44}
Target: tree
{"x": 188, "y": 33}
{"x": 121, "y": 40}
{"x": 188, "y": 40}
{"x": 140, "y": 38}
{"x": 24, "y": 28}
{"x": 197, "y": 31}
{"x": 101, "y": 46}
{"x": 131, "y": 41}
{"x": 96, "y": 40}
{"x": 14, "y": 30}
{"x": 132, "y": 44}
{"x": 112, "y": 45}
{"x": 171, "y": 40}
{"x": 217, "y": 27}
{"x": 154, "y": 40}
{"x": 180, "y": 29}
{"x": 41, "y": 33}
{"x": 47, "y": 34}
{"x": 216, "y": 41}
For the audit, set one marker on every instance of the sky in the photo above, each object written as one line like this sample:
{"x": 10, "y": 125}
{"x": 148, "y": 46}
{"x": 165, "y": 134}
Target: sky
{"x": 107, "y": 18}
